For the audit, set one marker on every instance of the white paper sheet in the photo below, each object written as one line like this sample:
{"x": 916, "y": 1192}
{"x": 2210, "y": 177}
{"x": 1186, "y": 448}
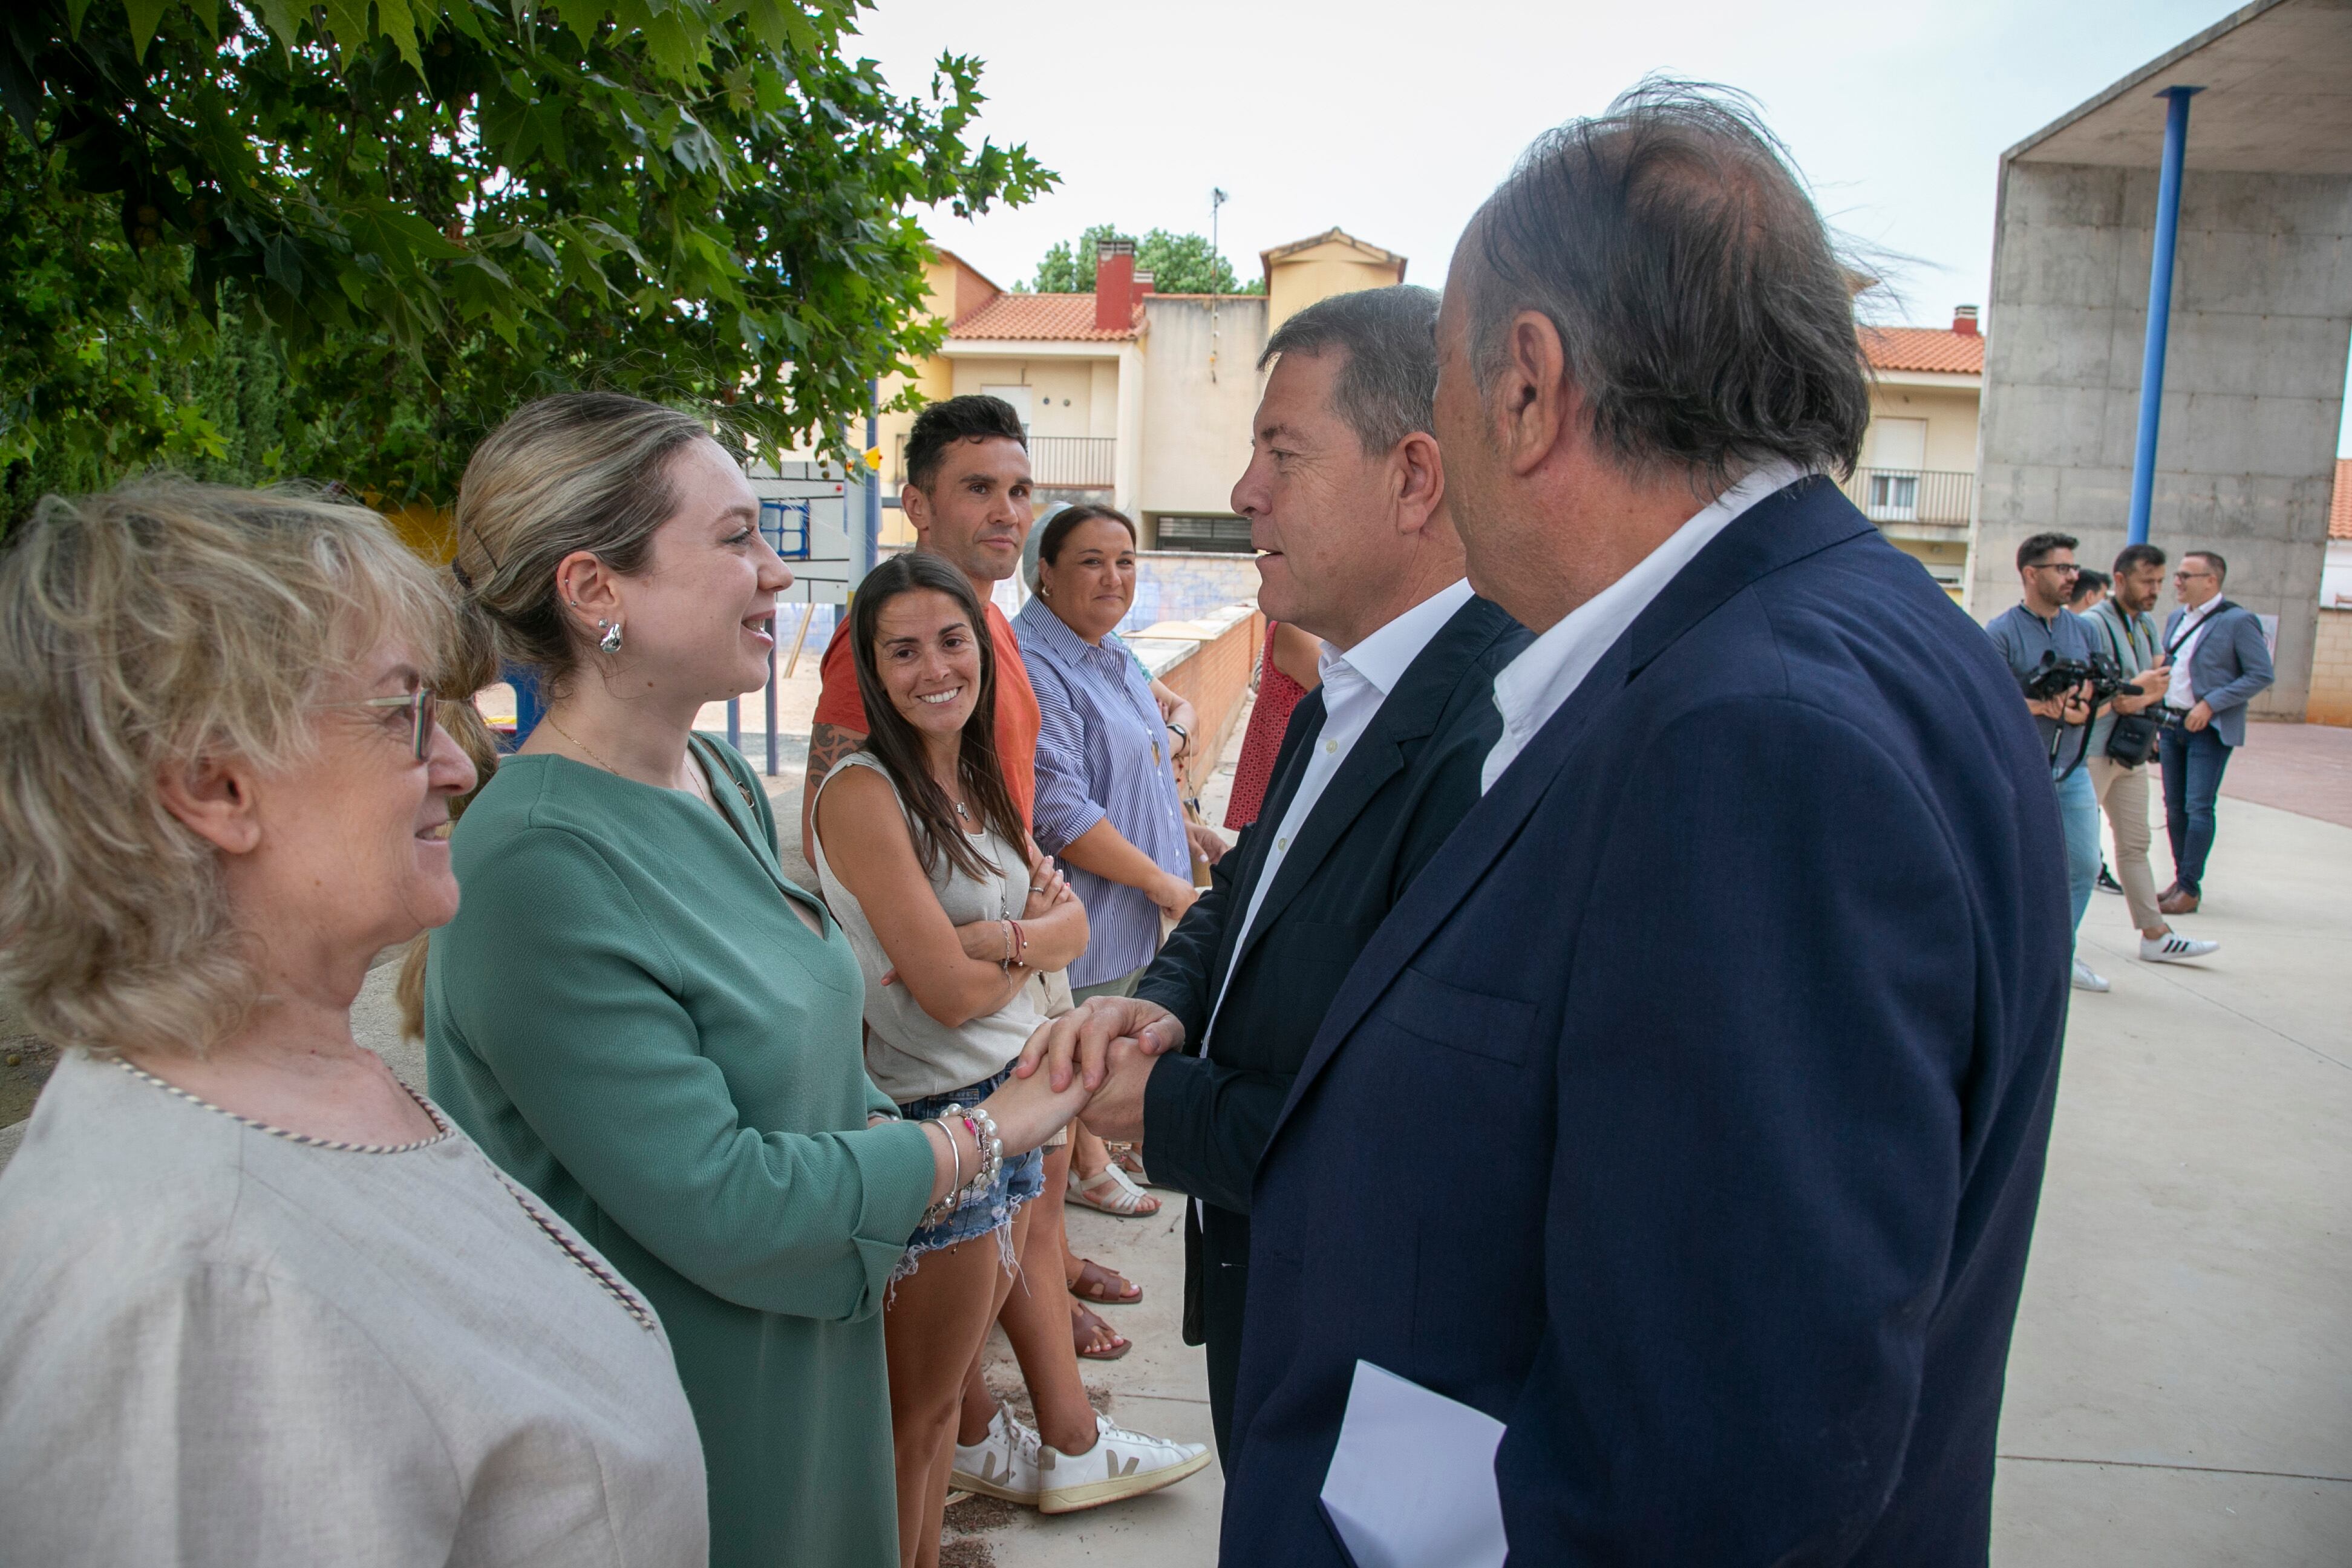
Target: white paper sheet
{"x": 1411, "y": 1483}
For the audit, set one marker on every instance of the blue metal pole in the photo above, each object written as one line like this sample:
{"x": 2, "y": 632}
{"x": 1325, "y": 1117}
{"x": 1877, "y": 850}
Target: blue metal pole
{"x": 2159, "y": 306}
{"x": 735, "y": 722}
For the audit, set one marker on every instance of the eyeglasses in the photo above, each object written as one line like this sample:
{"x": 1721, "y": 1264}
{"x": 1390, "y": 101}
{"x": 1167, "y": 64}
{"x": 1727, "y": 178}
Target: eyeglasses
{"x": 424, "y": 708}
{"x": 2185, "y": 576}
{"x": 2063, "y": 568}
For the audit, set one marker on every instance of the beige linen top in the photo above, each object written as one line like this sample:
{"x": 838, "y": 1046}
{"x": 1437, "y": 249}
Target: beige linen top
{"x": 222, "y": 1344}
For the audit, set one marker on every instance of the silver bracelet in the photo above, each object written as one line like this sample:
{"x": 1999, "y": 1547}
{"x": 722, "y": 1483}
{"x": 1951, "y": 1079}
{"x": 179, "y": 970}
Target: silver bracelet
{"x": 952, "y": 1198}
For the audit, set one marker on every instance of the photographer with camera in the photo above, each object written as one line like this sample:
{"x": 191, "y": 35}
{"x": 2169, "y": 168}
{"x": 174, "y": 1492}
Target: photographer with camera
{"x": 2036, "y": 638}
{"x": 2124, "y": 738}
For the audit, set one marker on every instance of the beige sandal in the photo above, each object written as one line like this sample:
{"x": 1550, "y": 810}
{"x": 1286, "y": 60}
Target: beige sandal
{"x": 1110, "y": 1191}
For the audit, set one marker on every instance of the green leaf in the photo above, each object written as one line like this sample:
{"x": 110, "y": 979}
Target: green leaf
{"x": 397, "y": 23}
{"x": 284, "y": 20}
{"x": 145, "y": 16}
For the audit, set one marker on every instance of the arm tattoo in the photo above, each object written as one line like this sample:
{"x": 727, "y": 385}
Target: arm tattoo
{"x": 828, "y": 743}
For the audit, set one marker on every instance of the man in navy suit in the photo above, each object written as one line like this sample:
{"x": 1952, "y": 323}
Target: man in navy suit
{"x": 1687, "y": 1113}
{"x": 1345, "y": 497}
{"x": 2220, "y": 662}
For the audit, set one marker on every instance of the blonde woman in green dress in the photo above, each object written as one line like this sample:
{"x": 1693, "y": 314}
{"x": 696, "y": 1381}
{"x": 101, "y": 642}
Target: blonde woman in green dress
{"x": 640, "y": 1018}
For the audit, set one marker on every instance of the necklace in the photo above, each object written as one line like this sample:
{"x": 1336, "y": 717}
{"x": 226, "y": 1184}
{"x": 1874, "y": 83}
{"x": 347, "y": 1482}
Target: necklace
{"x": 601, "y": 762}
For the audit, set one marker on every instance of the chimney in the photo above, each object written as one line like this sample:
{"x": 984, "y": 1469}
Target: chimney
{"x": 1964, "y": 319}
{"x": 1115, "y": 291}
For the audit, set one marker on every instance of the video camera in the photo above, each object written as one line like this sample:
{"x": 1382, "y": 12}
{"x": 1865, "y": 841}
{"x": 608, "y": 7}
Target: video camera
{"x": 2055, "y": 677}
{"x": 2058, "y": 677}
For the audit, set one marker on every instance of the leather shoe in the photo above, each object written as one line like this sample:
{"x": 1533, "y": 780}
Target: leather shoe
{"x": 2180, "y": 901}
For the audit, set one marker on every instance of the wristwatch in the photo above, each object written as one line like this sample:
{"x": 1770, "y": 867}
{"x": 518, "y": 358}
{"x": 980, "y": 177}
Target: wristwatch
{"x": 1183, "y": 737}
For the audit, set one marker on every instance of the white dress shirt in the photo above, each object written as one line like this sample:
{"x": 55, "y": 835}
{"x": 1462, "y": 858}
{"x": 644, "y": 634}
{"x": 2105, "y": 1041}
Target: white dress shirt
{"x": 2180, "y": 694}
{"x": 1534, "y": 686}
{"x": 1355, "y": 684}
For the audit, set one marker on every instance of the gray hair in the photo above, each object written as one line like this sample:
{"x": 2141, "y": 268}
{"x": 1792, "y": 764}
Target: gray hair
{"x": 143, "y": 630}
{"x": 1707, "y": 321}
{"x": 1385, "y": 389}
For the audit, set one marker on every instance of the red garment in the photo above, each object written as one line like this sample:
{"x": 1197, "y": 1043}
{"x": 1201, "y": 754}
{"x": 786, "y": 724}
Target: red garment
{"x": 1016, "y": 705}
{"x": 1278, "y": 694}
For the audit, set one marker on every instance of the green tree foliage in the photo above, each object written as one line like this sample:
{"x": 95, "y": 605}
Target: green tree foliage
{"x": 1179, "y": 264}
{"x": 344, "y": 239}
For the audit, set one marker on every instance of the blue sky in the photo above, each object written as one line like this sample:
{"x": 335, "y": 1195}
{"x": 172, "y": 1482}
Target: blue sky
{"x": 1394, "y": 121}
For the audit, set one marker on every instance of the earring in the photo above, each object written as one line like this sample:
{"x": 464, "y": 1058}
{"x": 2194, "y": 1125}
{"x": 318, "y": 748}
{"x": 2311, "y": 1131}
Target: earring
{"x": 611, "y": 641}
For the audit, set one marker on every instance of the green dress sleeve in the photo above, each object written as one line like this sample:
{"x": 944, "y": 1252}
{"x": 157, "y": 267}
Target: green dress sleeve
{"x": 580, "y": 1020}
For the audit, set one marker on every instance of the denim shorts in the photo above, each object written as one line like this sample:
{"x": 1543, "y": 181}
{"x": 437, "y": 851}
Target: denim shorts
{"x": 1021, "y": 1178}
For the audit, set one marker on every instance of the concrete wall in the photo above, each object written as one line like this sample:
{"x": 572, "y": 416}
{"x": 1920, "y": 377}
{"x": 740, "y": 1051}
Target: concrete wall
{"x": 2254, "y": 385}
{"x": 2331, "y": 669}
{"x": 1196, "y": 430}
{"x": 1208, "y": 662}
{"x": 1181, "y": 585}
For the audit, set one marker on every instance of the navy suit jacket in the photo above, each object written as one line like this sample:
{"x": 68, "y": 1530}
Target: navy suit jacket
{"x": 2228, "y": 669}
{"x": 1687, "y": 1114}
{"x": 1404, "y": 785}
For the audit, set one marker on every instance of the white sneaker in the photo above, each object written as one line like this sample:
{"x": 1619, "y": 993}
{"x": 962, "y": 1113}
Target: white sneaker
{"x": 1120, "y": 1465}
{"x": 2172, "y": 948}
{"x": 1004, "y": 1464}
{"x": 2088, "y": 979}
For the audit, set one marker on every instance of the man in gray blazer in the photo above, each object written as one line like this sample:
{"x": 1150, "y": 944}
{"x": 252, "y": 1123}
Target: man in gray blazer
{"x": 2220, "y": 661}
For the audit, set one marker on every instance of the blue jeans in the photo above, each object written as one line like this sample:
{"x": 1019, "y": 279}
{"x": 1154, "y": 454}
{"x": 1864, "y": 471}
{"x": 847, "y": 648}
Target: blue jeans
{"x": 2078, "y": 811}
{"x": 2193, "y": 762}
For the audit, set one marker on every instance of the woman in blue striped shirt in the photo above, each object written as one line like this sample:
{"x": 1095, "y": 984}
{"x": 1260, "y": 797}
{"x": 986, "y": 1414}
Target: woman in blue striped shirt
{"x": 1108, "y": 803}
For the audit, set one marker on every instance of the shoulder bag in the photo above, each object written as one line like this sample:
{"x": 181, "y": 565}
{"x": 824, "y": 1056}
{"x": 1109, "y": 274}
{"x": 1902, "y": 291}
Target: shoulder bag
{"x": 2133, "y": 735}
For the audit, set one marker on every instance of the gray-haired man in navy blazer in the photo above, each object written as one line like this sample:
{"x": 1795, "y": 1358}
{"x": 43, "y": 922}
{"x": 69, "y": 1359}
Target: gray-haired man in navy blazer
{"x": 1686, "y": 1115}
{"x": 2220, "y": 661}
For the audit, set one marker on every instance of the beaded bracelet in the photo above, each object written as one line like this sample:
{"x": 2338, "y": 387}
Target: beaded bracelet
{"x": 991, "y": 1146}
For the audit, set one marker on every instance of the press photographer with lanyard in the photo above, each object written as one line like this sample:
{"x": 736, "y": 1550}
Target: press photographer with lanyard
{"x": 2031, "y": 636}
{"x": 2123, "y": 742}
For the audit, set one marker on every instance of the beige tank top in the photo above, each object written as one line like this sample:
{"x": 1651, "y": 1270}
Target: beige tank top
{"x": 909, "y": 1054}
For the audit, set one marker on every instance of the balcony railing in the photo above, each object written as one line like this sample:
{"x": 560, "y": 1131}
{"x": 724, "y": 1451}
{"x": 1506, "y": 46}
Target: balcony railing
{"x": 1056, "y": 462}
{"x": 1936, "y": 497}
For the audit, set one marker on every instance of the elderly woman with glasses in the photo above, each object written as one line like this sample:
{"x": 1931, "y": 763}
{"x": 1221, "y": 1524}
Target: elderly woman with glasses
{"x": 260, "y": 1302}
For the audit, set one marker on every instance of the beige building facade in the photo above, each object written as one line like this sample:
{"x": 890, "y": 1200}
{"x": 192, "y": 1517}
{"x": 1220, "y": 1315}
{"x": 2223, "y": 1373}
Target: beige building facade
{"x": 1144, "y": 400}
{"x": 1917, "y": 477}
{"x": 1130, "y": 397}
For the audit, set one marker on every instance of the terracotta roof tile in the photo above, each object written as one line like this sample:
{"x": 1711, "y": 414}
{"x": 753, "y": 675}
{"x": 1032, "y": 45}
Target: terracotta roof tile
{"x": 1924, "y": 347}
{"x": 1064, "y": 317}
{"x": 2340, "y": 513}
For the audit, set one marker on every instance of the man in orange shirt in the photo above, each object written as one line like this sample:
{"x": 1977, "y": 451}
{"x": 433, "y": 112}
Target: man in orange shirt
{"x": 967, "y": 497}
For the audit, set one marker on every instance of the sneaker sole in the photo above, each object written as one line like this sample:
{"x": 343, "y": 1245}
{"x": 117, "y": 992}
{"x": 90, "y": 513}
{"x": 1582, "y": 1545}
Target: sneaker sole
{"x": 964, "y": 1480}
{"x": 1093, "y": 1494}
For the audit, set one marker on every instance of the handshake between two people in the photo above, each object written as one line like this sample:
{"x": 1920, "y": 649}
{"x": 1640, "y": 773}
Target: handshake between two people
{"x": 1092, "y": 1062}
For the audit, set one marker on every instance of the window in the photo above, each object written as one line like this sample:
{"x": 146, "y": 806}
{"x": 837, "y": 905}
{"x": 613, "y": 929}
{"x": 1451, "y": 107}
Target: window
{"x": 1228, "y": 534}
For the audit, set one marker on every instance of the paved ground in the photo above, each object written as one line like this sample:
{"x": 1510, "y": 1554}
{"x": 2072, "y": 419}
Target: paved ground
{"x": 2302, "y": 768}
